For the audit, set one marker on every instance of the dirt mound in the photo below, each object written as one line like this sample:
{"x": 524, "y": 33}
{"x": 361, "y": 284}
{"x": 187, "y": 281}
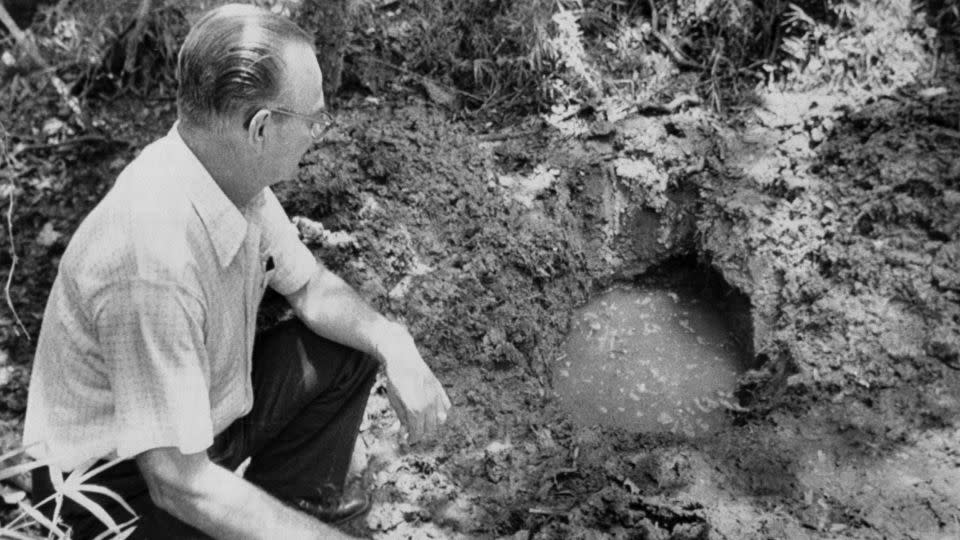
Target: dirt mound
{"x": 839, "y": 225}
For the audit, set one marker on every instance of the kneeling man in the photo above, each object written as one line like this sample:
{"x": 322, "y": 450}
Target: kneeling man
{"x": 147, "y": 351}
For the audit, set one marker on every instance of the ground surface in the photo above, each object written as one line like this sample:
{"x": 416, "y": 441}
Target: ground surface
{"x": 838, "y": 218}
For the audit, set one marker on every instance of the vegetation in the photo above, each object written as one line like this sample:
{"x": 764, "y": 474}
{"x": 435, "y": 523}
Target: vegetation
{"x": 76, "y": 487}
{"x": 530, "y": 55}
{"x": 534, "y": 54}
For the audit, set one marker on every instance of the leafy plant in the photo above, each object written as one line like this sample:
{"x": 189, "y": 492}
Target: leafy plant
{"x": 568, "y": 47}
{"x": 76, "y": 487}
{"x": 491, "y": 53}
{"x": 852, "y": 45}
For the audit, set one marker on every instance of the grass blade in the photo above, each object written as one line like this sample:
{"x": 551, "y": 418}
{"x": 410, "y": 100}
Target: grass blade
{"x": 93, "y": 488}
{"x": 24, "y": 515}
{"x": 17, "y": 451}
{"x": 14, "y": 535}
{"x": 56, "y": 477}
{"x": 73, "y": 480}
{"x": 57, "y": 506}
{"x": 94, "y": 508}
{"x": 42, "y": 520}
{"x": 17, "y": 470}
{"x": 11, "y": 454}
{"x": 99, "y": 469}
{"x": 122, "y": 535}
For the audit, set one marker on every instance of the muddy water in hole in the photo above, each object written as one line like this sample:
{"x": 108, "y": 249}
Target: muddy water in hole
{"x": 654, "y": 360}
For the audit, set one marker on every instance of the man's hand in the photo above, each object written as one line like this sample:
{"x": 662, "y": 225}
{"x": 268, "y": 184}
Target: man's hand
{"x": 332, "y": 309}
{"x": 414, "y": 392}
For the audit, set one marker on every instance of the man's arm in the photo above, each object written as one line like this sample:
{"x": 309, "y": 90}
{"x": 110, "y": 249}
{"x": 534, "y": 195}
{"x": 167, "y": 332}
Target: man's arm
{"x": 198, "y": 492}
{"x": 332, "y": 309}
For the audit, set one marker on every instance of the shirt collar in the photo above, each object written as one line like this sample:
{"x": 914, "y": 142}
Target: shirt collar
{"x": 225, "y": 224}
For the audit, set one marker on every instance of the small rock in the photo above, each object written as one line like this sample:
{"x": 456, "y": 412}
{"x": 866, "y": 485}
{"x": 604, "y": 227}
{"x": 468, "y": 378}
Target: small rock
{"x": 634, "y": 168}
{"x": 340, "y": 239}
{"x": 6, "y": 375}
{"x": 401, "y": 288}
{"x": 795, "y": 380}
{"x": 48, "y": 236}
{"x": 602, "y": 129}
{"x": 497, "y": 447}
{"x": 791, "y": 108}
{"x": 796, "y": 145}
{"x": 928, "y": 93}
{"x": 816, "y": 135}
{"x": 951, "y": 198}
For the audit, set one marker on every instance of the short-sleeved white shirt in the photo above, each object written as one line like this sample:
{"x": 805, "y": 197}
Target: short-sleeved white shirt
{"x": 147, "y": 335}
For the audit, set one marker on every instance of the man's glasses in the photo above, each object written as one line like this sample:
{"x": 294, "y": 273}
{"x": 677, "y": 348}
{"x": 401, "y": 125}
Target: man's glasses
{"x": 319, "y": 125}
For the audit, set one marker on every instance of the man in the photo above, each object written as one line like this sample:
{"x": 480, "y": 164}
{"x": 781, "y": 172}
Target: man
{"x": 147, "y": 349}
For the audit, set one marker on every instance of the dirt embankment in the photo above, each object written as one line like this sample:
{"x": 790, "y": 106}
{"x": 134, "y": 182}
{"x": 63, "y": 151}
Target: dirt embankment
{"x": 839, "y": 223}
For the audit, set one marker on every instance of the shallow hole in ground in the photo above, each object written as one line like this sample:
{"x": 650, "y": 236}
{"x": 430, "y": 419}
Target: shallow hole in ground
{"x": 660, "y": 354}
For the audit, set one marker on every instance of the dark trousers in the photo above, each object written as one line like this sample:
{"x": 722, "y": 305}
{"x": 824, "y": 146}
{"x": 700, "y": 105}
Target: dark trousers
{"x": 309, "y": 398}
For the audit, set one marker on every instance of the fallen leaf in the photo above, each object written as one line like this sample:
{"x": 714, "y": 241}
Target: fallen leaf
{"x": 53, "y": 126}
{"x": 439, "y": 95}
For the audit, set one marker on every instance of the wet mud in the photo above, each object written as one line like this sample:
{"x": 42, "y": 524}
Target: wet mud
{"x": 649, "y": 359}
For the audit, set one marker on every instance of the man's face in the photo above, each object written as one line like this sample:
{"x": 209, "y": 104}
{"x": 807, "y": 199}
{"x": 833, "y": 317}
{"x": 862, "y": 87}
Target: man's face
{"x": 302, "y": 94}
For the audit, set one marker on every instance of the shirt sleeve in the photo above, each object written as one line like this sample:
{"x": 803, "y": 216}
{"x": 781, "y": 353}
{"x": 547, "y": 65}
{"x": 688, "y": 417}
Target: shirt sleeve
{"x": 151, "y": 335}
{"x": 293, "y": 262}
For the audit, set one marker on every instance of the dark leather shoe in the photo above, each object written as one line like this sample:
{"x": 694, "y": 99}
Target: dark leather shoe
{"x": 335, "y": 511}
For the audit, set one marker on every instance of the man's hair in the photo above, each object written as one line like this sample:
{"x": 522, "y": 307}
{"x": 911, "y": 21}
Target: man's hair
{"x": 231, "y": 63}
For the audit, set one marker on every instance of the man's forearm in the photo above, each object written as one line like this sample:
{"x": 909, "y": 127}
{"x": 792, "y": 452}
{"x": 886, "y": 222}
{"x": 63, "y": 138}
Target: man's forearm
{"x": 334, "y": 310}
{"x": 226, "y": 506}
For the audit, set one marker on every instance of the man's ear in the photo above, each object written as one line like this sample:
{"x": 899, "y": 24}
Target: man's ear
{"x": 256, "y": 131}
